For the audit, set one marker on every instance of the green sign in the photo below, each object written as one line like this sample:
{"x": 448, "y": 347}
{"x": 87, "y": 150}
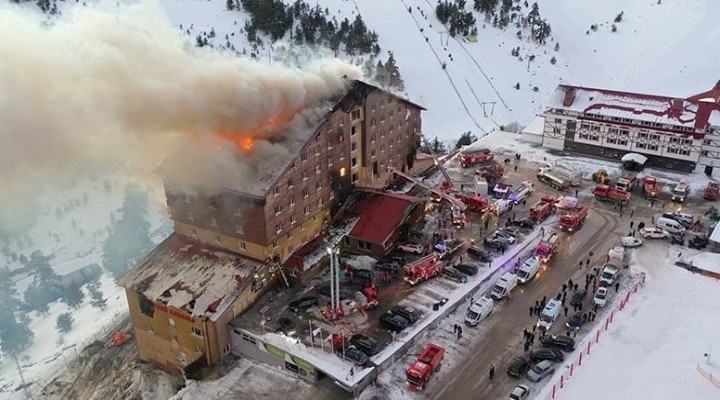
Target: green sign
{"x": 304, "y": 365}
{"x": 275, "y": 351}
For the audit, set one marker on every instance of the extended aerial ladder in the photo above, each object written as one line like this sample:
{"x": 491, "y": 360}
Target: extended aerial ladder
{"x": 458, "y": 207}
{"x": 448, "y": 184}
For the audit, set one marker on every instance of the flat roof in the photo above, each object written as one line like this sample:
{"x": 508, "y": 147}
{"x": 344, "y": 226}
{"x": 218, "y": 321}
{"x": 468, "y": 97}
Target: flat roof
{"x": 184, "y": 274}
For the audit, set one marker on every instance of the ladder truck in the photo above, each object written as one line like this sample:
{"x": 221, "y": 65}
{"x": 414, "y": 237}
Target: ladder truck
{"x": 458, "y": 207}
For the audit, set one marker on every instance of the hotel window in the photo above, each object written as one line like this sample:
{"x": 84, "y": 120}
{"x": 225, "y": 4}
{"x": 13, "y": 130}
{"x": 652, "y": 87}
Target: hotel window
{"x": 217, "y": 238}
{"x": 197, "y": 332}
{"x": 278, "y": 209}
{"x": 353, "y": 131}
{"x": 355, "y": 115}
{"x": 330, "y": 161}
{"x": 239, "y": 228}
{"x": 171, "y": 322}
{"x": 342, "y": 155}
{"x": 276, "y": 190}
{"x": 293, "y": 219}
{"x": 353, "y": 162}
{"x": 558, "y": 120}
{"x": 319, "y": 202}
{"x": 305, "y": 175}
{"x": 318, "y": 169}
{"x": 193, "y": 231}
{"x": 150, "y": 329}
{"x": 278, "y": 228}
{"x": 317, "y": 151}
{"x": 303, "y": 156}
{"x": 243, "y": 246}
{"x": 236, "y": 210}
{"x": 188, "y": 214}
{"x": 212, "y": 204}
{"x": 290, "y": 182}
{"x": 306, "y": 192}
{"x": 186, "y": 198}
{"x": 274, "y": 244}
{"x": 174, "y": 338}
{"x": 318, "y": 184}
{"x": 307, "y": 210}
{"x": 198, "y": 348}
{"x": 292, "y": 201}
{"x": 213, "y": 221}
{"x": 353, "y": 146}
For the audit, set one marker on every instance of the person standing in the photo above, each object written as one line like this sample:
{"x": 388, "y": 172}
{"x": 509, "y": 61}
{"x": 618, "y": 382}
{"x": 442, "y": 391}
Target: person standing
{"x": 532, "y": 310}
{"x": 566, "y": 311}
{"x": 491, "y": 372}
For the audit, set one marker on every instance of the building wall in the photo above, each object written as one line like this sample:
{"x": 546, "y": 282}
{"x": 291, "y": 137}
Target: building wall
{"x": 710, "y": 149}
{"x": 614, "y": 137}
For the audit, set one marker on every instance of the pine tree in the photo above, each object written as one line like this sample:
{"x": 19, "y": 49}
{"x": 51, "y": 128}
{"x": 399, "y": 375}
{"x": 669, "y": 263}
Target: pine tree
{"x": 64, "y": 322}
{"x": 438, "y": 147}
{"x": 230, "y": 5}
{"x": 15, "y": 336}
{"x": 97, "y": 299}
{"x": 73, "y": 296}
{"x": 466, "y": 138}
{"x": 393, "y": 74}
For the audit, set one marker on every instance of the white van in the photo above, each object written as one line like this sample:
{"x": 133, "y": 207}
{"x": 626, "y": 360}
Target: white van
{"x": 670, "y": 225}
{"x": 528, "y": 269}
{"x": 500, "y": 207}
{"x": 504, "y": 286}
{"x": 549, "y": 313}
{"x": 479, "y": 310}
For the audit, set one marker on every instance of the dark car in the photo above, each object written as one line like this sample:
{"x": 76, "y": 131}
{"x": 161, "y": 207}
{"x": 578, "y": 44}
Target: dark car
{"x": 578, "y": 297}
{"x": 388, "y": 266}
{"x": 497, "y": 244}
{"x": 481, "y": 254}
{"x": 546, "y": 353}
{"x": 363, "y": 274}
{"x": 287, "y": 326}
{"x": 303, "y": 304}
{"x": 576, "y": 320}
{"x": 562, "y": 342}
{"x": 467, "y": 269}
{"x": 525, "y": 223}
{"x": 393, "y": 322}
{"x": 518, "y": 367}
{"x": 454, "y": 275}
{"x": 353, "y": 354}
{"x": 698, "y": 242}
{"x": 365, "y": 343}
{"x": 411, "y": 314}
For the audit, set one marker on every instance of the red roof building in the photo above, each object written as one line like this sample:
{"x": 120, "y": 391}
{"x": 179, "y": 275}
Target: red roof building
{"x": 670, "y": 132}
{"x": 382, "y": 218}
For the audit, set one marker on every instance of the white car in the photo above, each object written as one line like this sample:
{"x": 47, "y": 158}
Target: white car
{"x": 521, "y": 392}
{"x": 566, "y": 202}
{"x": 654, "y": 233}
{"x": 631, "y": 242}
{"x": 601, "y": 296}
{"x": 411, "y": 248}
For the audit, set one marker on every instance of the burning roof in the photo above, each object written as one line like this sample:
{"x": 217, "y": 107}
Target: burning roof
{"x": 198, "y": 278}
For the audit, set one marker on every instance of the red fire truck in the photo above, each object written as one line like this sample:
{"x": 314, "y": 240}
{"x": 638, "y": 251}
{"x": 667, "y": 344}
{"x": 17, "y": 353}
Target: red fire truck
{"x": 423, "y": 269}
{"x": 469, "y": 159}
{"x": 547, "y": 248}
{"x": 543, "y": 208}
{"x": 474, "y": 203}
{"x": 573, "y": 220}
{"x": 427, "y": 364}
{"x": 607, "y": 193}
{"x": 711, "y": 191}
{"x": 650, "y": 187}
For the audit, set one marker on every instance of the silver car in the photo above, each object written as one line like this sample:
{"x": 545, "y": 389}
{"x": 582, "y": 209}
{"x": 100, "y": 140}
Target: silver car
{"x": 541, "y": 370}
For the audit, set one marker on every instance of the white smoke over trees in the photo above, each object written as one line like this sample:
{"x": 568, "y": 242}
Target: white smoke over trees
{"x": 121, "y": 88}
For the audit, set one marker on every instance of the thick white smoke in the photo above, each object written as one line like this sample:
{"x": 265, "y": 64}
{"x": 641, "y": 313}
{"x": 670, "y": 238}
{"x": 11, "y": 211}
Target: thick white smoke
{"x": 120, "y": 88}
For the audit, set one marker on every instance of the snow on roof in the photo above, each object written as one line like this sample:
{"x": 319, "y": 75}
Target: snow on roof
{"x": 638, "y": 158}
{"x": 715, "y": 235}
{"x": 536, "y": 126}
{"x": 714, "y": 118}
{"x": 636, "y": 106}
{"x": 707, "y": 261}
{"x": 184, "y": 274}
{"x": 380, "y": 214}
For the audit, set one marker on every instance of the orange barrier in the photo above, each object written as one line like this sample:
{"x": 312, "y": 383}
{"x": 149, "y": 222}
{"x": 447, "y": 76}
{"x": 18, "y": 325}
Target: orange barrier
{"x": 708, "y": 375}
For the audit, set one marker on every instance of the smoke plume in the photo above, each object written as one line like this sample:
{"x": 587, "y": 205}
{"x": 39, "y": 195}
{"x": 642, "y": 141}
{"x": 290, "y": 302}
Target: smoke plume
{"x": 123, "y": 88}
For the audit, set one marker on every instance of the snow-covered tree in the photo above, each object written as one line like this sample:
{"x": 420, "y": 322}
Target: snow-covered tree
{"x": 64, "y": 322}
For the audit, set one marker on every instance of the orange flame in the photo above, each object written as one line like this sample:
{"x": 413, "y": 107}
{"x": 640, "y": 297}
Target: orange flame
{"x": 244, "y": 141}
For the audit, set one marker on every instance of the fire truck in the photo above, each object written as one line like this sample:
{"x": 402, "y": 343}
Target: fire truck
{"x": 574, "y": 219}
{"x": 474, "y": 203}
{"x": 547, "y": 248}
{"x": 427, "y": 364}
{"x": 650, "y": 187}
{"x": 543, "y": 208}
{"x": 607, "y": 193}
{"x": 493, "y": 171}
{"x": 680, "y": 191}
{"x": 423, "y": 269}
{"x": 711, "y": 191}
{"x": 523, "y": 192}
{"x": 483, "y": 156}
{"x": 363, "y": 300}
{"x": 626, "y": 183}
{"x": 558, "y": 178}
{"x": 457, "y": 207}
{"x": 501, "y": 190}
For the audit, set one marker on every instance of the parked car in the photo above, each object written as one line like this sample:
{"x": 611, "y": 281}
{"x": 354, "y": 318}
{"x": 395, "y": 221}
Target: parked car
{"x": 541, "y": 370}
{"x": 303, "y": 304}
{"x": 578, "y": 297}
{"x": 502, "y": 234}
{"x": 467, "y": 269}
{"x": 362, "y": 274}
{"x": 653, "y": 233}
{"x": 518, "y": 367}
{"x": 412, "y": 248}
{"x": 411, "y": 314}
{"x": 525, "y": 223}
{"x": 354, "y": 355}
{"x": 684, "y": 219}
{"x": 287, "y": 326}
{"x": 576, "y": 320}
{"x": 601, "y": 296}
{"x": 698, "y": 242}
{"x": 481, "y": 254}
{"x": 365, "y": 343}
{"x": 454, "y": 275}
{"x": 393, "y": 322}
{"x": 521, "y": 392}
{"x": 500, "y": 244}
{"x": 546, "y": 353}
{"x": 609, "y": 275}
{"x": 388, "y": 266}
{"x": 631, "y": 242}
{"x": 562, "y": 342}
